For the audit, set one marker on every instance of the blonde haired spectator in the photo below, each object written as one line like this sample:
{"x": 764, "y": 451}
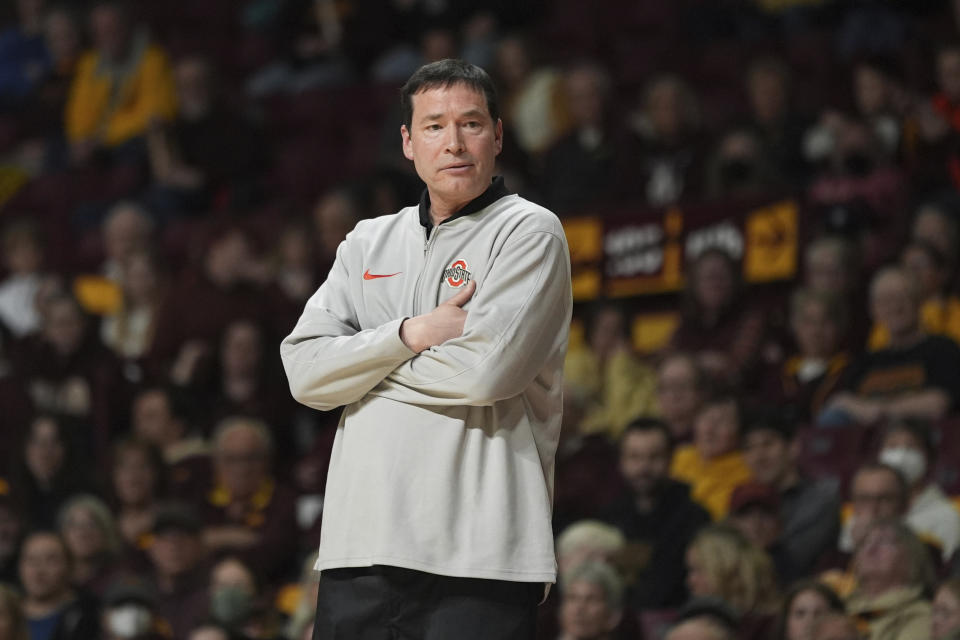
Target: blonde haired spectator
{"x": 587, "y": 541}
{"x": 591, "y": 605}
{"x": 722, "y": 563}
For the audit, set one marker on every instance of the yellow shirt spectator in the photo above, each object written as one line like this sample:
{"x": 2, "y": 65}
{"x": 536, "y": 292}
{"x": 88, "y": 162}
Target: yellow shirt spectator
{"x": 111, "y": 102}
{"x": 711, "y": 480}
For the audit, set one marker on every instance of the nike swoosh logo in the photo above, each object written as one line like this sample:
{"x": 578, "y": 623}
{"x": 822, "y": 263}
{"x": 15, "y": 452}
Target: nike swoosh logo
{"x": 373, "y": 276}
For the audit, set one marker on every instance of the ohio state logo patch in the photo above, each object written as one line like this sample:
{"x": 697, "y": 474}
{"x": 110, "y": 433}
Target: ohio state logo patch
{"x": 457, "y": 274}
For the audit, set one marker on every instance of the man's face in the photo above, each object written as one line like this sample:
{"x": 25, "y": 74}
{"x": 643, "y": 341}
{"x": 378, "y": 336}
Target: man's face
{"x": 644, "y": 460}
{"x": 760, "y": 525}
{"x": 584, "y": 612}
{"x": 716, "y": 428}
{"x": 875, "y": 495}
{"x": 825, "y": 271}
{"x": 241, "y": 461}
{"x": 175, "y": 552}
{"x": 152, "y": 420}
{"x": 892, "y": 303}
{"x": 816, "y": 333}
{"x": 767, "y": 455}
{"x": 44, "y": 569}
{"x": 453, "y": 142}
{"x": 10, "y": 529}
{"x": 110, "y": 32}
{"x": 677, "y": 391}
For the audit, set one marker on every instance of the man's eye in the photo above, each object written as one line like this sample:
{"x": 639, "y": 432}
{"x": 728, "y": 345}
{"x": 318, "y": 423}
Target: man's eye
{"x": 433, "y": 127}
{"x": 473, "y": 124}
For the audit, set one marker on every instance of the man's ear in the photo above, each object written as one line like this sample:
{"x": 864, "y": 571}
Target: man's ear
{"x": 407, "y": 144}
{"x": 498, "y": 136}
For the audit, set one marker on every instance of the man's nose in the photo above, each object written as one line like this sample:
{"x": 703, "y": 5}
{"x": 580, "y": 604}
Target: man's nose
{"x": 454, "y": 139}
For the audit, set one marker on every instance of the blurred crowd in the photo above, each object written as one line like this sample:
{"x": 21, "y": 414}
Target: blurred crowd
{"x": 175, "y": 179}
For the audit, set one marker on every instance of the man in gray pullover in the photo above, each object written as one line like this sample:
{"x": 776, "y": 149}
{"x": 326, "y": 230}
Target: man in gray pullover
{"x": 441, "y": 330}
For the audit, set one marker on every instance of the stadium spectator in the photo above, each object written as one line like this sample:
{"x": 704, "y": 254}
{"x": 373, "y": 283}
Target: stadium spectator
{"x": 54, "y": 610}
{"x": 656, "y": 516}
{"x": 722, "y": 328}
{"x": 804, "y": 606}
{"x": 160, "y": 418}
{"x": 120, "y": 86}
{"x": 246, "y": 512}
{"x": 755, "y": 512}
{"x": 138, "y": 483}
{"x": 737, "y": 167}
{"x": 666, "y": 166}
{"x": 935, "y": 225}
{"x": 713, "y": 464}
{"x": 830, "y": 266}
{"x": 69, "y": 372}
{"x": 178, "y": 574}
{"x": 893, "y": 575}
{"x": 23, "y": 56}
{"x": 588, "y": 541}
{"x": 23, "y": 261}
{"x": 13, "y": 623}
{"x": 531, "y": 96}
{"x": 583, "y": 165}
{"x": 225, "y": 288}
{"x": 126, "y": 231}
{"x": 12, "y": 528}
{"x": 915, "y": 377}
{"x": 128, "y": 331}
{"x": 722, "y": 563}
{"x": 945, "y": 614}
{"x": 809, "y": 509}
{"x": 247, "y": 385}
{"x": 681, "y": 391}
{"x": 591, "y": 605}
{"x": 606, "y": 376}
{"x": 334, "y": 216}
{"x": 90, "y": 533}
{"x": 47, "y": 473}
{"x": 811, "y": 375}
{"x": 859, "y": 174}
{"x": 908, "y": 447}
{"x": 940, "y": 310}
{"x": 877, "y": 492}
{"x": 233, "y": 597}
{"x": 208, "y": 151}
{"x": 773, "y": 116}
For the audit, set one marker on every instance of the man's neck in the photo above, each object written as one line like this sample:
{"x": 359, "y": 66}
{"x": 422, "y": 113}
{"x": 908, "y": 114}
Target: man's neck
{"x": 906, "y": 339}
{"x": 43, "y": 607}
{"x": 790, "y": 479}
{"x": 440, "y": 211}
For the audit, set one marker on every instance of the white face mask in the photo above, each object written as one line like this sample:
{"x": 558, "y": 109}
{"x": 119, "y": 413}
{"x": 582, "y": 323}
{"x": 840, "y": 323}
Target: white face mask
{"x": 910, "y": 462}
{"x": 129, "y": 621}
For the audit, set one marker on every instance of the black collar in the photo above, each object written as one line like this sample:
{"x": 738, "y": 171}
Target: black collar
{"x": 494, "y": 192}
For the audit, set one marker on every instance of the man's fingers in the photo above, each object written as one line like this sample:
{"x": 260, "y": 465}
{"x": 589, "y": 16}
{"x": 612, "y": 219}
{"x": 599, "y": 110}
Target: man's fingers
{"x": 461, "y": 298}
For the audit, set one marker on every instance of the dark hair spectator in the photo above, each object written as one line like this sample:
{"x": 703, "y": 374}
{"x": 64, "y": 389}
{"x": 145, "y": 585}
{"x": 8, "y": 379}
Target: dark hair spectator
{"x": 138, "y": 482}
{"x": 804, "y": 605}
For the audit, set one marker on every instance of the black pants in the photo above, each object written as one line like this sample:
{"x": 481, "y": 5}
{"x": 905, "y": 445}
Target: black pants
{"x": 389, "y": 603}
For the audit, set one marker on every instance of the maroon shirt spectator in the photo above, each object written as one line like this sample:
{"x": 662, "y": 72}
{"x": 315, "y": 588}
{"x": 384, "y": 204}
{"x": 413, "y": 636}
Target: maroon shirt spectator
{"x": 160, "y": 418}
{"x": 718, "y": 326}
{"x": 68, "y": 372}
{"x": 191, "y": 318}
{"x": 246, "y": 512}
{"x": 179, "y": 574}
{"x": 47, "y": 472}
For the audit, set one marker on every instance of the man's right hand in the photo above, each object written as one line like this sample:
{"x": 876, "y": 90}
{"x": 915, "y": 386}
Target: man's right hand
{"x": 443, "y": 323}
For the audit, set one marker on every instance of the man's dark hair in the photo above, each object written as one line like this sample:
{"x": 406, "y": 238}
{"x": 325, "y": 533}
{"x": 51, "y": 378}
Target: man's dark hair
{"x": 768, "y": 418}
{"x": 444, "y": 74}
{"x": 921, "y": 432}
{"x": 646, "y": 425}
